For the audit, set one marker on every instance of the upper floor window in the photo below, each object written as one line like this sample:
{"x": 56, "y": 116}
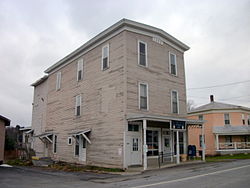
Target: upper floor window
{"x": 105, "y": 57}
{"x": 243, "y": 119}
{"x": 80, "y": 69}
{"x": 78, "y": 105}
{"x": 227, "y": 119}
{"x": 55, "y": 144}
{"x": 142, "y": 53}
{"x": 58, "y": 80}
{"x": 200, "y": 117}
{"x": 172, "y": 64}
{"x": 143, "y": 96}
{"x": 248, "y": 120}
{"x": 175, "y": 101}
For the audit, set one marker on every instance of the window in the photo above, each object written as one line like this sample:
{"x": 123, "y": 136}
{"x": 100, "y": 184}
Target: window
{"x": 243, "y": 119}
{"x": 77, "y": 145}
{"x": 105, "y": 57}
{"x": 248, "y": 120}
{"x": 200, "y": 117}
{"x": 135, "y": 144}
{"x": 143, "y": 92}
{"x": 175, "y": 101}
{"x": 226, "y": 119}
{"x": 201, "y": 140}
{"x": 228, "y": 139}
{"x": 142, "y": 53}
{"x": 134, "y": 128}
{"x": 78, "y": 105}
{"x": 173, "y": 65}
{"x": 69, "y": 140}
{"x": 55, "y": 144}
{"x": 58, "y": 80}
{"x": 152, "y": 142}
{"x": 80, "y": 70}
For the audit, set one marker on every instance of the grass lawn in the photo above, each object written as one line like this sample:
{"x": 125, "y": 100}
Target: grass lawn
{"x": 228, "y": 157}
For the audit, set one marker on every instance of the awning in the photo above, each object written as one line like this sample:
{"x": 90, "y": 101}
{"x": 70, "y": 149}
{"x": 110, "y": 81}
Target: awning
{"x": 231, "y": 130}
{"x": 29, "y": 132}
{"x": 46, "y": 136}
{"x": 83, "y": 133}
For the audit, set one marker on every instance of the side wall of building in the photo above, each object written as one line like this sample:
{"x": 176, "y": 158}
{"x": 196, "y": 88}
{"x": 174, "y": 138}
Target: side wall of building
{"x": 2, "y": 139}
{"x": 102, "y": 108}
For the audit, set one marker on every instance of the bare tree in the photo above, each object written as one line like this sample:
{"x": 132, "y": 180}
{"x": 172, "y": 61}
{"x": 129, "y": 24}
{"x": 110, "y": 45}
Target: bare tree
{"x": 190, "y": 105}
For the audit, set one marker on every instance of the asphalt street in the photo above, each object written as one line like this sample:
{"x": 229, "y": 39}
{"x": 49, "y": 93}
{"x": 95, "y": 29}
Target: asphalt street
{"x": 233, "y": 173}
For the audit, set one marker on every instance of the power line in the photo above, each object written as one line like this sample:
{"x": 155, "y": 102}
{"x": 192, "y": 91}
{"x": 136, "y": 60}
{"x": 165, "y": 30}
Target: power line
{"x": 221, "y": 85}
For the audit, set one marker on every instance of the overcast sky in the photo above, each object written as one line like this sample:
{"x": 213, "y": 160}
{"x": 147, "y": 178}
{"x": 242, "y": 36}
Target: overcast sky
{"x": 36, "y": 34}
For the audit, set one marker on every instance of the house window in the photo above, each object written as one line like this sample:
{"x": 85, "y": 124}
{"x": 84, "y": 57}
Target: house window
{"x": 58, "y": 80}
{"x": 152, "y": 142}
{"x": 226, "y": 119}
{"x": 201, "y": 140}
{"x": 228, "y": 139}
{"x": 143, "y": 92}
{"x": 243, "y": 119}
{"x": 80, "y": 70}
{"x": 248, "y": 120}
{"x": 134, "y": 128}
{"x": 175, "y": 101}
{"x": 78, "y": 105}
{"x": 77, "y": 145}
{"x": 173, "y": 66}
{"x": 200, "y": 117}
{"x": 55, "y": 144}
{"x": 105, "y": 57}
{"x": 142, "y": 53}
{"x": 135, "y": 144}
{"x": 69, "y": 140}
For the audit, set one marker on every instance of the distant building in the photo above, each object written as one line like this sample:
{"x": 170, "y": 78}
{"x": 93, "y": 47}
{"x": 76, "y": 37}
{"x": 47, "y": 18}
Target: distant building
{"x": 117, "y": 101}
{"x": 3, "y": 123}
{"x": 227, "y": 128}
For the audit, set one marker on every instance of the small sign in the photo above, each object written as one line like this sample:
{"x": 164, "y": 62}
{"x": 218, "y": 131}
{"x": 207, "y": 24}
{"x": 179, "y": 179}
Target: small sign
{"x": 178, "y": 125}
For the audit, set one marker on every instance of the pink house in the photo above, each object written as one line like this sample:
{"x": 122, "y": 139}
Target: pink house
{"x": 227, "y": 128}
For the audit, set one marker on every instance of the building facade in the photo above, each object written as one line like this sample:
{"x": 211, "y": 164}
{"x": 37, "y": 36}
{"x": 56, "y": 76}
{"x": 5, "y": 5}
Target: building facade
{"x": 3, "y": 123}
{"x": 227, "y": 128}
{"x": 117, "y": 101}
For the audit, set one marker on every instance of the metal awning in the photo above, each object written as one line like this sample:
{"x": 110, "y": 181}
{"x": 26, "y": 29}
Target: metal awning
{"x": 45, "y": 136}
{"x": 83, "y": 133}
{"x": 134, "y": 117}
{"x": 231, "y": 130}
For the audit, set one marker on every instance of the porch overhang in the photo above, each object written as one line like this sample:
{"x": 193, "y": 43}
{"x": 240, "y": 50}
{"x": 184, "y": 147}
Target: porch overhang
{"x": 231, "y": 130}
{"x": 46, "y": 136}
{"x": 82, "y": 133}
{"x": 136, "y": 117}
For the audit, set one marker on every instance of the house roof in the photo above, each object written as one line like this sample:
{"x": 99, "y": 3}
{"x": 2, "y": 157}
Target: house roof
{"x": 39, "y": 81}
{"x": 6, "y": 120}
{"x": 232, "y": 130}
{"x": 120, "y": 26}
{"x": 217, "y": 106}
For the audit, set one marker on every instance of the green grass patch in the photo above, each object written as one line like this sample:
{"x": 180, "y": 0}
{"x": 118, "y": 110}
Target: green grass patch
{"x": 77, "y": 168}
{"x": 227, "y": 157}
{"x": 19, "y": 162}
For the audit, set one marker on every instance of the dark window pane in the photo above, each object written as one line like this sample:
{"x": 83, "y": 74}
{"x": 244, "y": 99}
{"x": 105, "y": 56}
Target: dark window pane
{"x": 105, "y": 63}
{"x": 142, "y": 48}
{"x": 143, "y": 103}
{"x": 78, "y": 110}
{"x": 79, "y": 75}
{"x": 143, "y": 59}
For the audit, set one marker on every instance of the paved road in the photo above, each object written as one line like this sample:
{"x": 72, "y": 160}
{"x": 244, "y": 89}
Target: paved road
{"x": 224, "y": 174}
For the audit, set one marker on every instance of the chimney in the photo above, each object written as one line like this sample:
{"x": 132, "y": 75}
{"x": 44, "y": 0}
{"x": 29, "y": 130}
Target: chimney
{"x": 211, "y": 98}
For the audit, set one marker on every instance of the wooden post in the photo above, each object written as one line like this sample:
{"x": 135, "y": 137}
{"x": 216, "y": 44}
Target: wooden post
{"x": 145, "y": 148}
{"x": 177, "y": 148}
{"x": 203, "y": 143}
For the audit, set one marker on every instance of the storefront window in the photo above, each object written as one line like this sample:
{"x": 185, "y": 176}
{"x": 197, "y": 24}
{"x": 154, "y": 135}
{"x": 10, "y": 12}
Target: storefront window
{"x": 152, "y": 142}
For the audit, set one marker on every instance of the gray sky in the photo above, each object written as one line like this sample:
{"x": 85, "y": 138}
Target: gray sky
{"x": 36, "y": 34}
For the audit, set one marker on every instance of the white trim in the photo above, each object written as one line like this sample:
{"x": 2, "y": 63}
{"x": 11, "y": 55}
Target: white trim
{"x": 105, "y": 46}
{"x": 79, "y": 68}
{"x": 80, "y": 104}
{"x": 58, "y": 80}
{"x": 139, "y": 92}
{"x": 176, "y": 68}
{"x": 86, "y": 138}
{"x": 177, "y": 101}
{"x": 146, "y": 53}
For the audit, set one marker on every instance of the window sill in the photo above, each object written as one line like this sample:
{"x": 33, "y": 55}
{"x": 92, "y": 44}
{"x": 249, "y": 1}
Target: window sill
{"x": 143, "y": 66}
{"x": 105, "y": 69}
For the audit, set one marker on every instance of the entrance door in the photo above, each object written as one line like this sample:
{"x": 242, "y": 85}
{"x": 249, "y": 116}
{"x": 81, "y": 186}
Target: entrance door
{"x": 166, "y": 143}
{"x": 135, "y": 150}
{"x": 82, "y": 148}
{"x": 46, "y": 148}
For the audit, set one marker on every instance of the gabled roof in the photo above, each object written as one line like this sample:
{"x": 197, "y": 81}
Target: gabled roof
{"x": 6, "y": 120}
{"x": 120, "y": 26}
{"x": 217, "y": 106}
{"x": 41, "y": 80}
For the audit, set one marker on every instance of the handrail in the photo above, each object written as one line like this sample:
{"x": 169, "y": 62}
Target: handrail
{"x": 162, "y": 156}
{"x": 234, "y": 145}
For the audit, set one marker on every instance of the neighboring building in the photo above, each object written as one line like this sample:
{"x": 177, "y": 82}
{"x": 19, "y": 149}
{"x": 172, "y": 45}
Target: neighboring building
{"x": 3, "y": 123}
{"x": 117, "y": 101}
{"x": 227, "y": 128}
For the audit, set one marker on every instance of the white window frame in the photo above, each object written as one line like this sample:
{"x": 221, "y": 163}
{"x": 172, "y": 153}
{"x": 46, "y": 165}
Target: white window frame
{"x": 107, "y": 45}
{"x": 55, "y": 143}
{"x": 178, "y": 107}
{"x": 176, "y": 69}
{"x": 139, "y": 92}
{"x": 58, "y": 80}
{"x": 227, "y": 119}
{"x": 70, "y": 138}
{"x": 80, "y": 104}
{"x": 146, "y": 53}
{"x": 79, "y": 68}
